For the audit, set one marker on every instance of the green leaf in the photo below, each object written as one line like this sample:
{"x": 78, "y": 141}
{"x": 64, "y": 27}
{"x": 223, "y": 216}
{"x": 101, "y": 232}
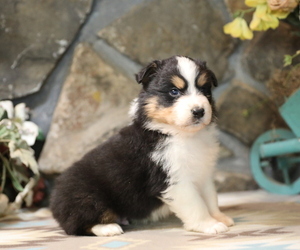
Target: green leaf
{"x": 23, "y": 153}
{"x": 3, "y": 178}
{"x": 3, "y": 131}
{"x": 237, "y": 13}
{"x": 9, "y": 130}
{"x": 3, "y": 113}
{"x": 287, "y": 60}
{"x": 20, "y": 172}
{"x": 41, "y": 136}
{"x": 17, "y": 185}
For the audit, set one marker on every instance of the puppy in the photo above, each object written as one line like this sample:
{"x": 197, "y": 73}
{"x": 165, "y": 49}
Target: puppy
{"x": 161, "y": 163}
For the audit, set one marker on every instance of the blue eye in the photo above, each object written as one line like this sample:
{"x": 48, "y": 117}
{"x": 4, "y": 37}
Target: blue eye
{"x": 174, "y": 92}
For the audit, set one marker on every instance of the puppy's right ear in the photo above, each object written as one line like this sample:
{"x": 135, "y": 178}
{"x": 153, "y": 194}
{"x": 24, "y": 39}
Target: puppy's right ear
{"x": 147, "y": 73}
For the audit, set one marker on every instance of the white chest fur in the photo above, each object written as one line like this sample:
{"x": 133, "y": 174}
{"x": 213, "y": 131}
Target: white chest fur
{"x": 189, "y": 157}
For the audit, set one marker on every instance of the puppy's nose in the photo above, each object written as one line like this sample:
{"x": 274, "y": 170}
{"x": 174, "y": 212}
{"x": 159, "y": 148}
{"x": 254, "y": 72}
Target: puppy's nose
{"x": 198, "y": 112}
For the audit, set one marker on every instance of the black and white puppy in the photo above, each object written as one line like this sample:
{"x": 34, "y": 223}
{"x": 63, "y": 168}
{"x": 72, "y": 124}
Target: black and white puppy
{"x": 161, "y": 163}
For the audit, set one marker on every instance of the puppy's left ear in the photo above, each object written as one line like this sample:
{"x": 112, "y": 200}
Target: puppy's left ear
{"x": 147, "y": 73}
{"x": 213, "y": 78}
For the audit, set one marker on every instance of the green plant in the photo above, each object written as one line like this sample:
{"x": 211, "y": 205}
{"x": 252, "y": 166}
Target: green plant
{"x": 288, "y": 59}
{"x": 19, "y": 168}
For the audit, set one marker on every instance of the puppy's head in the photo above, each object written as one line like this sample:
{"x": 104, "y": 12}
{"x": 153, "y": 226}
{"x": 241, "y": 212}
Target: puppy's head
{"x": 176, "y": 95}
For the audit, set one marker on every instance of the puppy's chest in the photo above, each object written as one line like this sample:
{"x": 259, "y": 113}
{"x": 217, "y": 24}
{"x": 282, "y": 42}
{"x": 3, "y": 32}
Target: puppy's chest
{"x": 191, "y": 156}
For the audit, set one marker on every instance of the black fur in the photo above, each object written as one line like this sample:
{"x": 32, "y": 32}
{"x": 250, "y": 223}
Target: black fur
{"x": 128, "y": 184}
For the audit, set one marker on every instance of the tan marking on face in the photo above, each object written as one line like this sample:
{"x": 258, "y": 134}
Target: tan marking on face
{"x": 158, "y": 113}
{"x": 202, "y": 79}
{"x": 178, "y": 82}
{"x": 108, "y": 217}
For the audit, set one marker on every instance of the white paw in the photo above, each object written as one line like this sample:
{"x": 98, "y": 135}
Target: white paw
{"x": 216, "y": 228}
{"x": 224, "y": 219}
{"x": 209, "y": 227}
{"x": 107, "y": 229}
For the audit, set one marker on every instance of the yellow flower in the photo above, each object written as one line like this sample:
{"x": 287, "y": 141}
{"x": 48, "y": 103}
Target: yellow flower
{"x": 280, "y": 14}
{"x": 238, "y": 28}
{"x": 254, "y": 3}
{"x": 262, "y": 19}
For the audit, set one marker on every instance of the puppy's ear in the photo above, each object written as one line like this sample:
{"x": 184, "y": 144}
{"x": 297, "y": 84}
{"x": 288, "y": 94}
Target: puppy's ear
{"x": 213, "y": 78}
{"x": 147, "y": 73}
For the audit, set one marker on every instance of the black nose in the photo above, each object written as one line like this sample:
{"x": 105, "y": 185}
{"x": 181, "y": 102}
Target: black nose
{"x": 198, "y": 113}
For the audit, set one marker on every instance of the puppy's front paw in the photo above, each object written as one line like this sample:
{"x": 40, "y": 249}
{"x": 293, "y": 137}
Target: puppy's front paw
{"x": 107, "y": 229}
{"x": 216, "y": 228}
{"x": 224, "y": 219}
{"x": 209, "y": 227}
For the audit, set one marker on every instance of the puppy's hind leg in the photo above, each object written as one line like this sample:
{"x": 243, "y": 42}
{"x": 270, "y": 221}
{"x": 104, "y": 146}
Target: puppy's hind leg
{"x": 107, "y": 229}
{"x": 107, "y": 225}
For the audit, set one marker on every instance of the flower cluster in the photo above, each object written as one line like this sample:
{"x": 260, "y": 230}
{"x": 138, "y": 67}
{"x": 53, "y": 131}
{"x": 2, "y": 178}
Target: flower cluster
{"x": 266, "y": 15}
{"x": 19, "y": 116}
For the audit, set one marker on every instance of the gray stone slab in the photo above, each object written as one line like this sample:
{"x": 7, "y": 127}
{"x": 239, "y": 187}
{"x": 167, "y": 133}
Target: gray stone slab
{"x": 246, "y": 113}
{"x": 160, "y": 29}
{"x": 93, "y": 105}
{"x": 103, "y": 12}
{"x": 34, "y": 34}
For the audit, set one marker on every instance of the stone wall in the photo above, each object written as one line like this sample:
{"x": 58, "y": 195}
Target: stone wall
{"x": 34, "y": 35}
{"x": 87, "y": 64}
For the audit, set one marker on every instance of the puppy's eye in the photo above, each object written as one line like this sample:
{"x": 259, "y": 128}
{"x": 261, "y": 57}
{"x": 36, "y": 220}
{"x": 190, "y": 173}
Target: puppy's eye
{"x": 174, "y": 92}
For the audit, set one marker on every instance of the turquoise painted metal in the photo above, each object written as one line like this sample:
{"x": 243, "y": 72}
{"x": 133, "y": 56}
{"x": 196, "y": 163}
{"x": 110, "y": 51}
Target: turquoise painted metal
{"x": 290, "y": 111}
{"x": 278, "y": 150}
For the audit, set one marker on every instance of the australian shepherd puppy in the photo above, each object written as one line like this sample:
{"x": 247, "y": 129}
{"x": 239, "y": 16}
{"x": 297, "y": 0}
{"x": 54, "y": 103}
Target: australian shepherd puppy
{"x": 161, "y": 163}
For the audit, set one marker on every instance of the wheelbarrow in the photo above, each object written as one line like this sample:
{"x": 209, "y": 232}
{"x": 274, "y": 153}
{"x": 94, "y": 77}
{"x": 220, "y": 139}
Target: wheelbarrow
{"x": 275, "y": 155}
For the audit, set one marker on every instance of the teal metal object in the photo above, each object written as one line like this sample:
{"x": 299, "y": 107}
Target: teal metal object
{"x": 290, "y": 112}
{"x": 275, "y": 155}
{"x": 280, "y": 148}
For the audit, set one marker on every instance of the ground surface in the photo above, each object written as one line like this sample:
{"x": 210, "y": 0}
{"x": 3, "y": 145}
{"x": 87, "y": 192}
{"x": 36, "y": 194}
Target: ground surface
{"x": 263, "y": 221}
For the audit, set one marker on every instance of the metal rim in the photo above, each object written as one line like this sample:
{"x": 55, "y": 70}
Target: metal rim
{"x": 259, "y": 175}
